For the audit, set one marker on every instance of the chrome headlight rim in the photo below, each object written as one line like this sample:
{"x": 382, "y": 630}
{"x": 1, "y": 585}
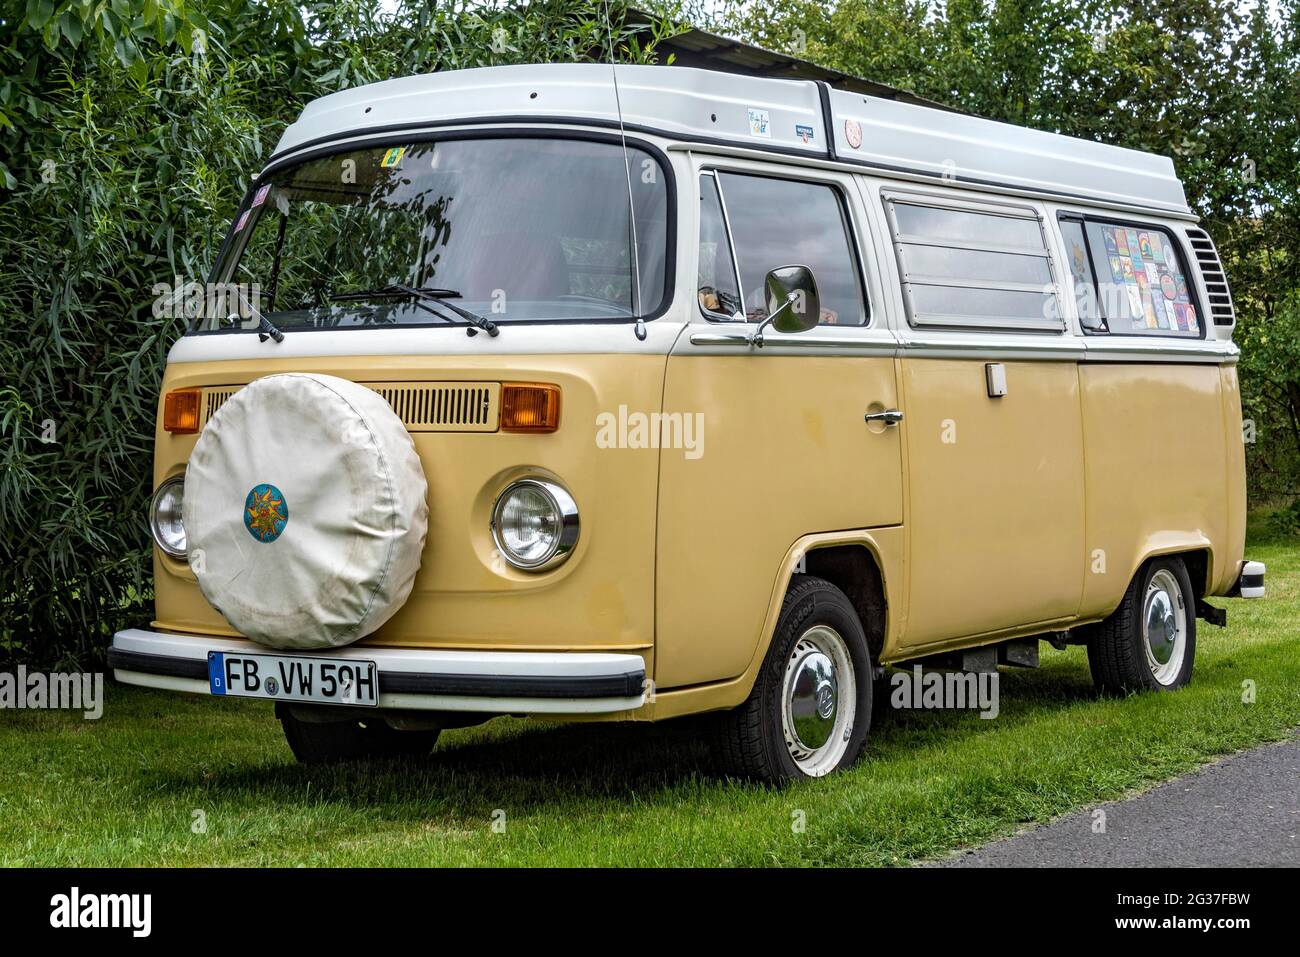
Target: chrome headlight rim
{"x": 164, "y": 487}
{"x": 565, "y": 507}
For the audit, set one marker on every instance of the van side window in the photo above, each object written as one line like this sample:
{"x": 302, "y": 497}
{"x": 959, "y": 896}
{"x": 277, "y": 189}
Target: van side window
{"x": 1132, "y": 279}
{"x": 780, "y": 222}
{"x": 974, "y": 267}
{"x": 1084, "y": 283}
{"x": 717, "y": 287}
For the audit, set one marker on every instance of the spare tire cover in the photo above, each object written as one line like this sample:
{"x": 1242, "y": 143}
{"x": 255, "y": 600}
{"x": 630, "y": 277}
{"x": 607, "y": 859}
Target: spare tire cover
{"x": 305, "y": 511}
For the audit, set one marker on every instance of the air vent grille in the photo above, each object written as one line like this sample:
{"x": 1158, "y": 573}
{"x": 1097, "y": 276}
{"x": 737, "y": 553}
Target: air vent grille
{"x": 422, "y": 406}
{"x": 1216, "y": 281}
{"x": 213, "y": 399}
{"x": 443, "y": 406}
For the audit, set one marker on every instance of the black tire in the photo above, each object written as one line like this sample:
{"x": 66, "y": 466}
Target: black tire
{"x": 1117, "y": 647}
{"x": 360, "y": 739}
{"x": 750, "y": 741}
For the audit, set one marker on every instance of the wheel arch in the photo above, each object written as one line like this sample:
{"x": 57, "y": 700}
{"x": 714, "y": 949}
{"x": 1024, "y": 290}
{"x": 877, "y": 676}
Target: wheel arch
{"x": 1197, "y": 556}
{"x": 866, "y": 565}
{"x": 875, "y": 553}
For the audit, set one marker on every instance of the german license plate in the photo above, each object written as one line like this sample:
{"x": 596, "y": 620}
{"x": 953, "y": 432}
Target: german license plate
{"x": 344, "y": 681}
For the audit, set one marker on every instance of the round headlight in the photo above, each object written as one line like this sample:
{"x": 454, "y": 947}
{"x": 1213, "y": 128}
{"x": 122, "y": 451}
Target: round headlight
{"x": 165, "y": 517}
{"x": 535, "y": 524}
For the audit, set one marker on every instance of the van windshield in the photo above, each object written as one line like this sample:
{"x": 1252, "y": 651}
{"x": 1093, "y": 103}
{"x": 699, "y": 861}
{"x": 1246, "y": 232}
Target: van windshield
{"x": 510, "y": 228}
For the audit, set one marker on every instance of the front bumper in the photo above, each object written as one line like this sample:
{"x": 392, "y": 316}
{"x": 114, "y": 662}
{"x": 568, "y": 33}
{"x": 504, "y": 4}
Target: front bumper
{"x": 496, "y": 682}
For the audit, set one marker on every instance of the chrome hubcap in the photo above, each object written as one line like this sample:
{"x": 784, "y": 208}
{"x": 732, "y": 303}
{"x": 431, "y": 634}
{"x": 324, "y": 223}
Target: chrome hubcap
{"x": 1164, "y": 626}
{"x": 818, "y": 700}
{"x": 812, "y": 700}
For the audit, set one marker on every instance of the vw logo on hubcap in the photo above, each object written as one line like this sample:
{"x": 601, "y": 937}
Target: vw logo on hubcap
{"x": 825, "y": 700}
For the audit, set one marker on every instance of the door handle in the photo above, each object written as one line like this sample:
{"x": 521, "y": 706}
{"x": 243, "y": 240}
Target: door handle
{"x": 889, "y": 417}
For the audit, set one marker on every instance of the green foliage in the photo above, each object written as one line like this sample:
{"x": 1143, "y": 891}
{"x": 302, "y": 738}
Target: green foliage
{"x": 1270, "y": 366}
{"x": 129, "y": 131}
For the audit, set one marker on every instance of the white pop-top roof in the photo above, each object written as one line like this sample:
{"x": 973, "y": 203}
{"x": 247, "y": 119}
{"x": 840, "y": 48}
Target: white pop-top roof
{"x": 784, "y": 115}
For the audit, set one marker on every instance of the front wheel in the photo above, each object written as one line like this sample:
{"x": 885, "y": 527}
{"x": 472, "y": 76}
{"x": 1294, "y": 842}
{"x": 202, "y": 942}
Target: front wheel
{"x": 359, "y": 739}
{"x": 810, "y": 709}
{"x": 1149, "y": 642}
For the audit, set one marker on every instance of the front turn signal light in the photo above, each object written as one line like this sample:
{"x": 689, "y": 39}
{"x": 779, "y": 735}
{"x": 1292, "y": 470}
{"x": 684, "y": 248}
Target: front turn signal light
{"x": 181, "y": 412}
{"x": 528, "y": 407}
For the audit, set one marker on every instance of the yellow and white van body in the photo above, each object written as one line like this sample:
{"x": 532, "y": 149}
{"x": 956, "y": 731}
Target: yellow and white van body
{"x": 966, "y": 446}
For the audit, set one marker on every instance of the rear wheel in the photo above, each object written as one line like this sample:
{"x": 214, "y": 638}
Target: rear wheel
{"x": 317, "y": 741}
{"x": 1149, "y": 642}
{"x": 810, "y": 709}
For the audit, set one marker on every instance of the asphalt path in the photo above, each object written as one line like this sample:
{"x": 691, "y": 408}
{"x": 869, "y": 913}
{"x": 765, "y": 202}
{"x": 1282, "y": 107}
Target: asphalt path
{"x": 1243, "y": 810}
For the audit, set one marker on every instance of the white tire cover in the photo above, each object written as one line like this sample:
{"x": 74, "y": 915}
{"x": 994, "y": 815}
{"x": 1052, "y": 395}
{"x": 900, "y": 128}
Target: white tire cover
{"x": 330, "y": 548}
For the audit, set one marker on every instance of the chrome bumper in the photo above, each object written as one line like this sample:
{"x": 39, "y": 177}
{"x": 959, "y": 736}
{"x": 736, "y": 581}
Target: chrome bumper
{"x": 498, "y": 682}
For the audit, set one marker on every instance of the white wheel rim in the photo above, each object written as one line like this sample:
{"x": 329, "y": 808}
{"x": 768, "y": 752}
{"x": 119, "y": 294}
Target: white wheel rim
{"x": 1164, "y": 627}
{"x": 819, "y": 696}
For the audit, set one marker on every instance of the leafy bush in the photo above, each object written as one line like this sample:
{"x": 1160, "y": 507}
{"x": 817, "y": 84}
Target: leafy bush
{"x": 1270, "y": 373}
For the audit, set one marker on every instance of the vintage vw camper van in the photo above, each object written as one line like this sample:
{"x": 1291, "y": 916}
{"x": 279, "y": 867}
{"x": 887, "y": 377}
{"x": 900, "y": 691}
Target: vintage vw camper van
{"x": 633, "y": 393}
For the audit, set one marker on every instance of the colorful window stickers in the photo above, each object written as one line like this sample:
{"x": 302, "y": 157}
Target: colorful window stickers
{"x": 1141, "y": 282}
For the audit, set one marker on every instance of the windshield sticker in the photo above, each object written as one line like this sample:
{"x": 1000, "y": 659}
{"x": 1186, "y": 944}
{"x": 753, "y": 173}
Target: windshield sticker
{"x": 804, "y": 133}
{"x": 243, "y": 219}
{"x": 260, "y": 198}
{"x": 760, "y": 124}
{"x": 393, "y": 157}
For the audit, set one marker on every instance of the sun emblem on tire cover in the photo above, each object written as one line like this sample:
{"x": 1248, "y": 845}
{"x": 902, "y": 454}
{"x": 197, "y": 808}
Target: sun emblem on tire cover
{"x": 265, "y": 513}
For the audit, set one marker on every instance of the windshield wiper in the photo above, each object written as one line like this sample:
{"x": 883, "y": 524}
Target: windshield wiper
{"x": 424, "y": 295}
{"x": 265, "y": 328}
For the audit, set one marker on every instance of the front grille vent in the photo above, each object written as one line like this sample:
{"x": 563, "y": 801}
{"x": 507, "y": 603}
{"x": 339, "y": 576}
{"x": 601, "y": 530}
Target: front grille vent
{"x": 422, "y": 406}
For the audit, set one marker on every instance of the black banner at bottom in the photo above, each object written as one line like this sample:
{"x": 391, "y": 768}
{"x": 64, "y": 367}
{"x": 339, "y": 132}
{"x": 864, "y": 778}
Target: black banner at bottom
{"x": 338, "y": 907}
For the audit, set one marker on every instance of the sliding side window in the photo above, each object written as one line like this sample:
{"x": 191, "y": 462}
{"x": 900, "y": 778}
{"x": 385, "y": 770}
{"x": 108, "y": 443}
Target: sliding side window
{"x": 973, "y": 266}
{"x": 1130, "y": 279}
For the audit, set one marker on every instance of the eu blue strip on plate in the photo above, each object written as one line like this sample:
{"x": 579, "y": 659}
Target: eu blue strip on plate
{"x": 217, "y": 672}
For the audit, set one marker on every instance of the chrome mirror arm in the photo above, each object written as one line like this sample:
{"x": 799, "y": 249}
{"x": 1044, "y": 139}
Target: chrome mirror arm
{"x": 756, "y": 337}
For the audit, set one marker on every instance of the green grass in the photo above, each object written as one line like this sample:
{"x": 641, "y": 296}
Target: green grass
{"x": 123, "y": 790}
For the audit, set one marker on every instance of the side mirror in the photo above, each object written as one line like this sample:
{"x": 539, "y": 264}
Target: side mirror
{"x": 793, "y": 304}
